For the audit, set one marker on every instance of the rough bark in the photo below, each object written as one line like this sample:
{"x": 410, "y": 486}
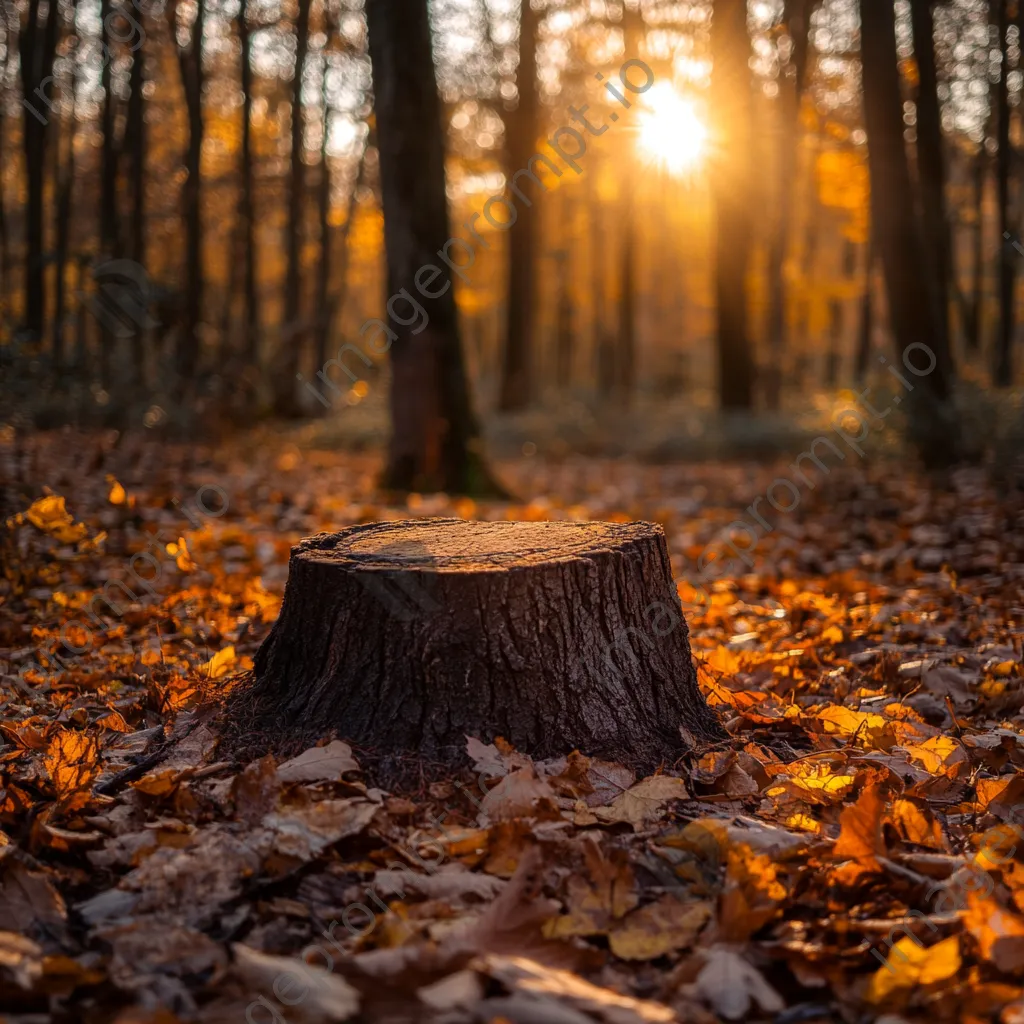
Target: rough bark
{"x": 435, "y": 441}
{"x": 411, "y": 636}
{"x": 731, "y": 99}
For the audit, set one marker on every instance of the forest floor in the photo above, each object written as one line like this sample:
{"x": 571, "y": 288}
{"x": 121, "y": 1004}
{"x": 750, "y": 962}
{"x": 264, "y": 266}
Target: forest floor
{"x": 854, "y": 852}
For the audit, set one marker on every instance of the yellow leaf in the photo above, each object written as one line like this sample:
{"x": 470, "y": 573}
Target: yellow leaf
{"x": 180, "y": 553}
{"x": 50, "y": 515}
{"x": 220, "y": 664}
{"x": 71, "y": 762}
{"x": 117, "y": 495}
{"x": 910, "y": 964}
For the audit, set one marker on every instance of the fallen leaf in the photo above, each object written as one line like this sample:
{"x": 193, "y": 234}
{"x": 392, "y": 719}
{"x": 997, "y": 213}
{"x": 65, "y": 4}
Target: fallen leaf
{"x": 731, "y": 986}
{"x": 999, "y": 933}
{"x": 643, "y": 802}
{"x": 316, "y": 992}
{"x": 319, "y": 764}
{"x": 668, "y": 924}
{"x": 910, "y": 964}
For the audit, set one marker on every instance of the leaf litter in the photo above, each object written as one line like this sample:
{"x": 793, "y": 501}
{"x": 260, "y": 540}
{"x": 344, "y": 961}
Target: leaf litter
{"x": 854, "y": 851}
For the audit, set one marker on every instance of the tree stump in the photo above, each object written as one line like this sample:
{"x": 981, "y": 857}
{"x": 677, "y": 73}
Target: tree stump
{"x": 413, "y": 635}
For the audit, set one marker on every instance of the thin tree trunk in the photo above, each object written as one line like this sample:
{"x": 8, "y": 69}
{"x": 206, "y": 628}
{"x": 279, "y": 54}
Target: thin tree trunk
{"x": 1002, "y": 370}
{"x": 900, "y": 240}
{"x": 867, "y": 318}
{"x": 731, "y": 99}
{"x": 65, "y": 188}
{"x": 38, "y": 46}
{"x": 795, "y": 18}
{"x": 190, "y": 62}
{"x": 978, "y": 252}
{"x": 324, "y": 210}
{"x": 435, "y": 442}
{"x": 290, "y": 343}
{"x": 136, "y": 140}
{"x": 108, "y": 178}
{"x": 247, "y": 203}
{"x": 625, "y": 362}
{"x": 5, "y": 256}
{"x": 517, "y": 383}
{"x": 931, "y": 163}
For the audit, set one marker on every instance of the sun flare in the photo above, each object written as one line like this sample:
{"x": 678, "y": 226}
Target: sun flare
{"x": 671, "y": 133}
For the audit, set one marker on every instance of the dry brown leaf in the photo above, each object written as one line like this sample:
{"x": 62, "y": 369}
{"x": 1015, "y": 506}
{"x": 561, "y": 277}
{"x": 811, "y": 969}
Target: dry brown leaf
{"x": 596, "y": 898}
{"x": 659, "y": 928}
{"x": 311, "y": 993}
{"x": 860, "y": 840}
{"x": 520, "y": 794}
{"x": 71, "y": 761}
{"x": 752, "y": 893}
{"x": 644, "y": 802}
{"x": 541, "y": 993}
{"x": 999, "y": 933}
{"x": 319, "y": 764}
{"x": 449, "y": 882}
{"x": 731, "y": 986}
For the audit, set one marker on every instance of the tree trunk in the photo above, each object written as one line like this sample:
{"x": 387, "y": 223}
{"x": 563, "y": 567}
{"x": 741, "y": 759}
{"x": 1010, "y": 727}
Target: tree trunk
{"x": 900, "y": 245}
{"x": 435, "y": 441}
{"x": 413, "y": 635}
{"x": 5, "y": 252}
{"x": 108, "y": 178}
{"x": 977, "y": 252}
{"x": 931, "y": 163}
{"x": 625, "y": 355}
{"x": 38, "y": 46}
{"x": 521, "y": 129}
{"x": 867, "y": 318}
{"x": 190, "y": 62}
{"x": 246, "y": 202}
{"x": 794, "y": 16}
{"x": 1002, "y": 370}
{"x": 330, "y": 306}
{"x": 65, "y": 179}
{"x": 136, "y": 145}
{"x": 625, "y": 361}
{"x": 292, "y": 331}
{"x": 731, "y": 101}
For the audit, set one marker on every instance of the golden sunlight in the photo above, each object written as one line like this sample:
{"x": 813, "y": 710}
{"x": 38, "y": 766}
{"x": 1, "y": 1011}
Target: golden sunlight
{"x": 671, "y": 133}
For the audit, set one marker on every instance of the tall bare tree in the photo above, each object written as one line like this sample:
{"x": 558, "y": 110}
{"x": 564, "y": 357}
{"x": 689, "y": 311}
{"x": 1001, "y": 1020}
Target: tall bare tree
{"x": 37, "y": 40}
{"x": 521, "y": 140}
{"x": 1002, "y": 369}
{"x": 931, "y": 164}
{"x": 795, "y": 16}
{"x": 247, "y": 206}
{"x": 293, "y": 333}
{"x": 435, "y": 442}
{"x": 900, "y": 238}
{"x": 190, "y": 63}
{"x": 731, "y": 99}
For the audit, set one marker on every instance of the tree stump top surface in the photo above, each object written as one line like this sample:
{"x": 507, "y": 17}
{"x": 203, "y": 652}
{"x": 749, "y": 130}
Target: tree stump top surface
{"x": 459, "y": 545}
